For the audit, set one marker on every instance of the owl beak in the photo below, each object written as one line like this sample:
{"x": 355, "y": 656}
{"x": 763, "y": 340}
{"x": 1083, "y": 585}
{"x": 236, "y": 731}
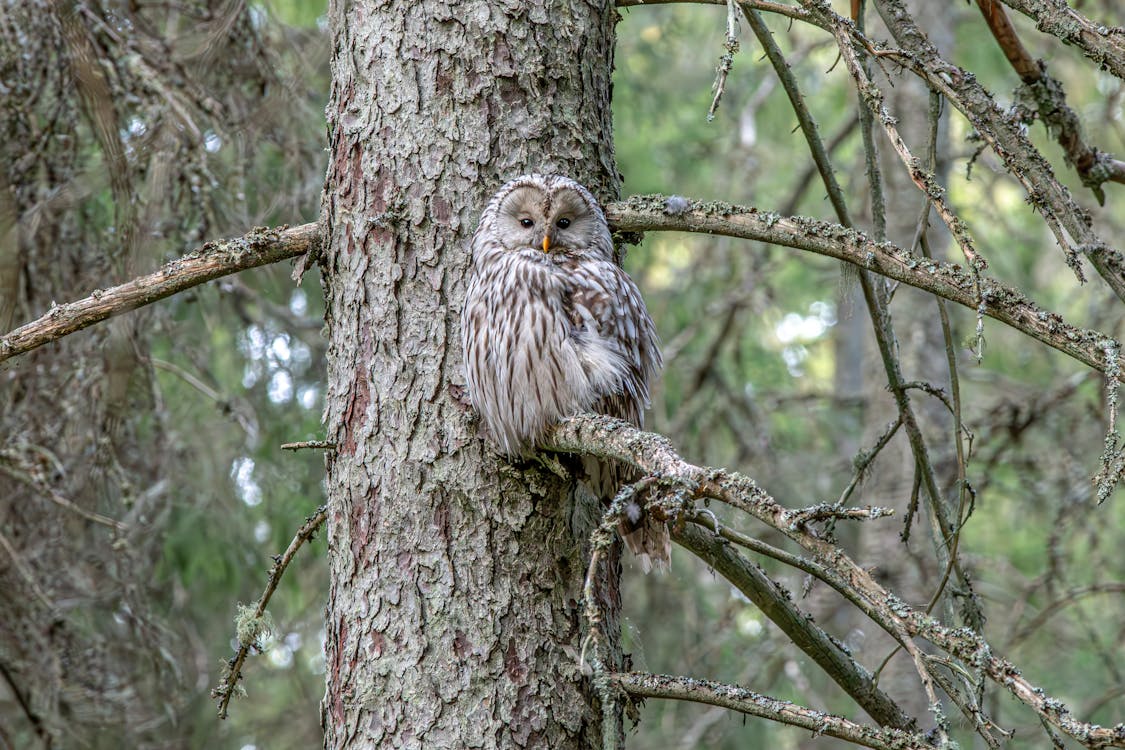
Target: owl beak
{"x": 546, "y": 243}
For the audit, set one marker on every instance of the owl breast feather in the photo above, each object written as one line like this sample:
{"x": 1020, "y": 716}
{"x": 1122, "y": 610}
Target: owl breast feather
{"x": 534, "y": 351}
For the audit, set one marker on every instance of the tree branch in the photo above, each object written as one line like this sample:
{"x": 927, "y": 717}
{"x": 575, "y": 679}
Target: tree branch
{"x": 1002, "y": 303}
{"x": 655, "y": 456}
{"x": 639, "y": 214}
{"x": 259, "y": 247}
{"x": 777, "y": 605}
{"x": 1103, "y": 45}
{"x": 1093, "y": 166}
{"x": 645, "y": 685}
{"x": 228, "y": 684}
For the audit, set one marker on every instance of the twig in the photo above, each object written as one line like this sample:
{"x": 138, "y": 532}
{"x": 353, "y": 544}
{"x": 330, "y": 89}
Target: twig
{"x": 322, "y": 445}
{"x": 863, "y": 459}
{"x": 645, "y": 685}
{"x": 829, "y": 511}
{"x": 1113, "y": 452}
{"x": 726, "y": 61}
{"x": 231, "y": 676}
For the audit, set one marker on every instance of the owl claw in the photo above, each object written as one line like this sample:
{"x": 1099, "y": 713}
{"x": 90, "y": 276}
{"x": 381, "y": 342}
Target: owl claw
{"x": 552, "y": 464}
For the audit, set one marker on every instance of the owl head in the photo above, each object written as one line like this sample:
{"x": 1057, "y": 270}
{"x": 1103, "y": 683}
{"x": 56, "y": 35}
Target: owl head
{"x": 550, "y": 213}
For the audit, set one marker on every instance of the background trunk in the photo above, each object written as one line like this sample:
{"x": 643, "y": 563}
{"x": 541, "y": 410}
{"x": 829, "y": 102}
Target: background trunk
{"x": 454, "y": 609}
{"x": 80, "y": 647}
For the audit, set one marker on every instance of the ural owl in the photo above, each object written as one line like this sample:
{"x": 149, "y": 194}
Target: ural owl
{"x": 552, "y": 326}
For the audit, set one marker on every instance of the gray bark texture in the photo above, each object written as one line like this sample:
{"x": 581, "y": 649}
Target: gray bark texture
{"x": 454, "y": 611}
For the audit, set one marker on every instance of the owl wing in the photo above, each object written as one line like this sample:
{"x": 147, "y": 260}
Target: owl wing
{"x": 606, "y": 310}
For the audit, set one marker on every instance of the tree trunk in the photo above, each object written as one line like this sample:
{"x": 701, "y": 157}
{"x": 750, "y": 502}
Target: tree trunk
{"x": 456, "y": 580}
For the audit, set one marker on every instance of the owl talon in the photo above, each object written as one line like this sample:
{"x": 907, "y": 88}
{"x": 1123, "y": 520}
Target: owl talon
{"x": 551, "y": 463}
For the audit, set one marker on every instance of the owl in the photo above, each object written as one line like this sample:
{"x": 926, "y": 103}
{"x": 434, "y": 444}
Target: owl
{"x": 552, "y": 326}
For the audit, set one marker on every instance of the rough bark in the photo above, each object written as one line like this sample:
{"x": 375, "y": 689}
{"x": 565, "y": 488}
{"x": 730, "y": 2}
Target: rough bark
{"x": 453, "y": 616}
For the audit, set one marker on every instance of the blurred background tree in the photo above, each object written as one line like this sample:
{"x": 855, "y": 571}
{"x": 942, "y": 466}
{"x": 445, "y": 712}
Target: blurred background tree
{"x": 210, "y": 115}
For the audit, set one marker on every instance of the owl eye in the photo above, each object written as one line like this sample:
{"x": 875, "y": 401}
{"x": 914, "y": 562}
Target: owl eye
{"x": 527, "y": 223}
{"x": 563, "y": 223}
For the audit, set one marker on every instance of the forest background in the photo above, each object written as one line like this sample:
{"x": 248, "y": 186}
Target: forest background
{"x": 771, "y": 369}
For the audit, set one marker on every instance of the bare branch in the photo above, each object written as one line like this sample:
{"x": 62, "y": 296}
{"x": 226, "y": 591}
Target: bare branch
{"x": 655, "y": 456}
{"x": 1093, "y": 166}
{"x": 259, "y": 247}
{"x": 777, "y": 605}
{"x": 319, "y": 445}
{"x": 1002, "y": 303}
{"x": 228, "y": 685}
{"x": 1100, "y": 43}
{"x": 645, "y": 685}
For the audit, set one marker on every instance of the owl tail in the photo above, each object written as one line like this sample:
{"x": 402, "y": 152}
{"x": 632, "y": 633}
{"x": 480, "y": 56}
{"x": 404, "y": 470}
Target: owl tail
{"x": 645, "y": 536}
{"x": 649, "y": 540}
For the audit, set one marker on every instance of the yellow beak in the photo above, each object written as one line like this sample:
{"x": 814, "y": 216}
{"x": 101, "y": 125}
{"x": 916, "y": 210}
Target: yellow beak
{"x": 546, "y": 242}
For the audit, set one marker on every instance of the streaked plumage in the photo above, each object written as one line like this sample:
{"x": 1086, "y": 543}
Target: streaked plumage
{"x": 552, "y": 326}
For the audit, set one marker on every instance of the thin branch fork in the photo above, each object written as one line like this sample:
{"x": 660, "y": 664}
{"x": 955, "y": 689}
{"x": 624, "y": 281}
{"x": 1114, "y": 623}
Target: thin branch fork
{"x": 646, "y": 685}
{"x": 655, "y": 456}
{"x": 228, "y": 685}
